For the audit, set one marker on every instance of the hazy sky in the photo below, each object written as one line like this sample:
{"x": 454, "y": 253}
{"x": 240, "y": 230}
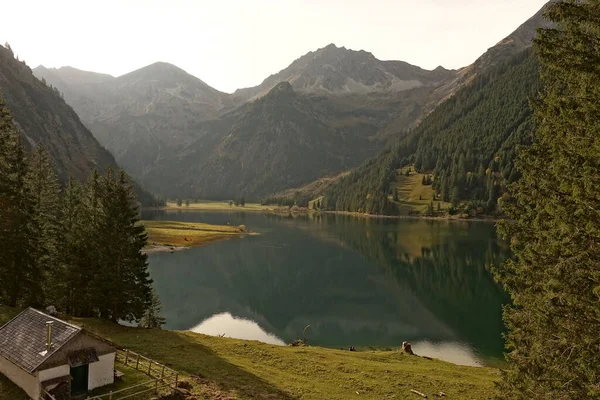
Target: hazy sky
{"x": 237, "y": 43}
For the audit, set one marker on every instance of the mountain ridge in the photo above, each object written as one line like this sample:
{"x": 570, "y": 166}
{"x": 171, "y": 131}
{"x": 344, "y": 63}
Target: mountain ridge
{"x": 337, "y": 70}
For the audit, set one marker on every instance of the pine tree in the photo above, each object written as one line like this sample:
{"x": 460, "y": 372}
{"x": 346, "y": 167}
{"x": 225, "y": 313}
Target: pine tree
{"x": 72, "y": 287}
{"x": 43, "y": 191}
{"x": 554, "y": 221}
{"x": 122, "y": 285}
{"x": 152, "y": 318}
{"x": 16, "y": 258}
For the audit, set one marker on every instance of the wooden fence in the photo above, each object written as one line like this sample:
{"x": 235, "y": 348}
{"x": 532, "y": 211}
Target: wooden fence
{"x": 160, "y": 376}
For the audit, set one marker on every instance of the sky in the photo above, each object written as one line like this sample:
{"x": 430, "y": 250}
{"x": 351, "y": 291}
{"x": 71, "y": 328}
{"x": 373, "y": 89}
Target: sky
{"x": 231, "y": 44}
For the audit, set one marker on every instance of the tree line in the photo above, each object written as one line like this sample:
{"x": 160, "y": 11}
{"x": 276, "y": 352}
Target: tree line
{"x": 77, "y": 247}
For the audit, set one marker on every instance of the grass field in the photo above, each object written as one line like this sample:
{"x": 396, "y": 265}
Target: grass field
{"x": 222, "y": 368}
{"x": 208, "y": 205}
{"x": 414, "y": 197}
{"x": 188, "y": 234}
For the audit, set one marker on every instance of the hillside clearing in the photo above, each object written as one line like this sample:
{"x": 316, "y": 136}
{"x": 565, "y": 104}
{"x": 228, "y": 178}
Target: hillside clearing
{"x": 413, "y": 196}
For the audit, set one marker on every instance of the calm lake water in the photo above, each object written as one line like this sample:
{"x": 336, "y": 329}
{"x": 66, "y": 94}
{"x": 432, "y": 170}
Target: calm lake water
{"x": 356, "y": 282}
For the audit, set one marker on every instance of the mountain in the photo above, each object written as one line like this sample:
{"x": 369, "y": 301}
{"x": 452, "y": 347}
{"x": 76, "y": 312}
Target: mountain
{"x": 326, "y": 113}
{"x": 337, "y": 70}
{"x": 80, "y": 89}
{"x": 43, "y": 117}
{"x": 169, "y": 129}
{"x": 283, "y": 139}
{"x": 468, "y": 143}
{"x": 142, "y": 115}
{"x": 518, "y": 41}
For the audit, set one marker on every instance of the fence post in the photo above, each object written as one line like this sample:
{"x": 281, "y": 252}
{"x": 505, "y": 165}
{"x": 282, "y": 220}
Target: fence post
{"x": 137, "y": 362}
{"x": 126, "y": 356}
{"x": 110, "y": 395}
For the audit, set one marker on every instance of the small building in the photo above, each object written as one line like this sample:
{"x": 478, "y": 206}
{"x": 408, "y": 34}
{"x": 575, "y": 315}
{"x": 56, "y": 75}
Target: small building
{"x": 39, "y": 352}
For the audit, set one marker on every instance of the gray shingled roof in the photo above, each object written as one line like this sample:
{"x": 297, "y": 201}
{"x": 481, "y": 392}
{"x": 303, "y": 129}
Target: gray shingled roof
{"x": 23, "y": 338}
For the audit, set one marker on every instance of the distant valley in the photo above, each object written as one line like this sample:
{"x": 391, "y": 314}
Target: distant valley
{"x": 326, "y": 113}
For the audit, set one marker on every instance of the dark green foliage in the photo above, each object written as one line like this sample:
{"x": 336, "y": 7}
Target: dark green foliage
{"x": 554, "y": 221}
{"x": 179, "y": 202}
{"x": 80, "y": 251}
{"x": 43, "y": 190}
{"x": 468, "y": 141}
{"x": 152, "y": 318}
{"x": 187, "y": 203}
{"x": 16, "y": 257}
{"x": 298, "y": 199}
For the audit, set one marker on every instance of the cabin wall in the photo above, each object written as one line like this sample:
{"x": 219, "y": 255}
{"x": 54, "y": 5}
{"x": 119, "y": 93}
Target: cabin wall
{"x": 56, "y": 372}
{"x": 79, "y": 342}
{"x": 102, "y": 372}
{"x": 19, "y": 377}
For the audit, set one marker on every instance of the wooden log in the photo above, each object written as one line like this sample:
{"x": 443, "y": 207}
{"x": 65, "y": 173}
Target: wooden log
{"x": 423, "y": 395}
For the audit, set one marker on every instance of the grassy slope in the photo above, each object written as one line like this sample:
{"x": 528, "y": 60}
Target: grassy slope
{"x": 173, "y": 233}
{"x": 410, "y": 188}
{"x": 221, "y": 368}
{"x": 249, "y": 369}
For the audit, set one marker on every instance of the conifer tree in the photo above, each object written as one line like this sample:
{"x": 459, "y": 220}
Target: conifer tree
{"x": 152, "y": 318}
{"x": 43, "y": 190}
{"x": 16, "y": 259}
{"x": 554, "y": 221}
{"x": 122, "y": 284}
{"x": 72, "y": 286}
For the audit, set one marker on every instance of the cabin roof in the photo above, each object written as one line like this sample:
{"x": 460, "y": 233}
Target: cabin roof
{"x": 23, "y": 339}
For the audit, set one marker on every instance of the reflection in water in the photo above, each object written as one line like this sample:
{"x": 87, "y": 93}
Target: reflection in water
{"x": 357, "y": 282}
{"x": 236, "y": 328}
{"x": 454, "y": 352}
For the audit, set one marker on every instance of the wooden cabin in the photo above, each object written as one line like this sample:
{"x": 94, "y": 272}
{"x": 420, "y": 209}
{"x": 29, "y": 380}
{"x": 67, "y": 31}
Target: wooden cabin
{"x": 40, "y": 353}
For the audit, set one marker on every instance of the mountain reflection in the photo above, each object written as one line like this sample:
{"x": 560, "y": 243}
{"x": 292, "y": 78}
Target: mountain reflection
{"x": 356, "y": 282}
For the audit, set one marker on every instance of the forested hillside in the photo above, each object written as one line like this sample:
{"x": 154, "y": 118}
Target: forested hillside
{"x": 468, "y": 144}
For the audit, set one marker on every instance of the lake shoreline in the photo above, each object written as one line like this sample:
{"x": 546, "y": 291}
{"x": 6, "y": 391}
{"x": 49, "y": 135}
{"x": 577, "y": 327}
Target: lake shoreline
{"x": 279, "y": 211}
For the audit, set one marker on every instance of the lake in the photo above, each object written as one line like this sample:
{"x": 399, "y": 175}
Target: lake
{"x": 356, "y": 282}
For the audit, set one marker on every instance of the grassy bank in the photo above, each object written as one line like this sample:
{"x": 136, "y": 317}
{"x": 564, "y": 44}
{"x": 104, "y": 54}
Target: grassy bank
{"x": 188, "y": 234}
{"x": 221, "y": 368}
